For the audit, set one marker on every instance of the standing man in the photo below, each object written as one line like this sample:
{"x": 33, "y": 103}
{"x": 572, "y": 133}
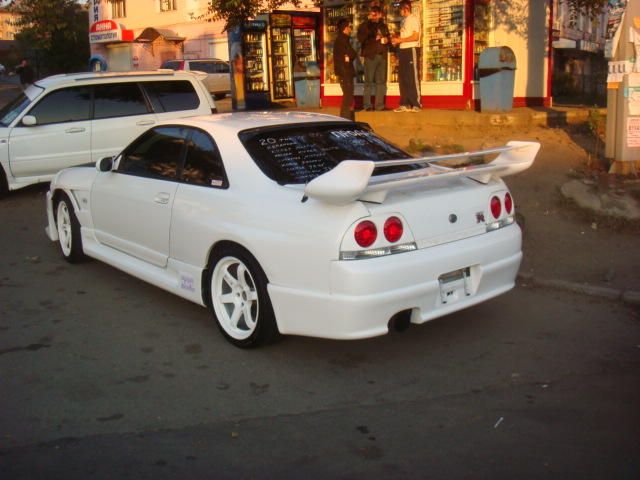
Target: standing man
{"x": 25, "y": 72}
{"x": 408, "y": 43}
{"x": 373, "y": 35}
{"x": 343, "y": 57}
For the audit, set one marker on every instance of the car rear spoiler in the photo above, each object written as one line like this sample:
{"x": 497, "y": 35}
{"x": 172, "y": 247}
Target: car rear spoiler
{"x": 352, "y": 180}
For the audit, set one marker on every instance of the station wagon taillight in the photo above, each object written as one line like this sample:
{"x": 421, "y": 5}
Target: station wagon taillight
{"x": 393, "y": 229}
{"x": 365, "y": 233}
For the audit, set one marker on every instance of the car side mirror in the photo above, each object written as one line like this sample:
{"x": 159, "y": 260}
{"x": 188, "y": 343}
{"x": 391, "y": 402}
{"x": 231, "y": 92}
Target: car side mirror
{"x": 105, "y": 164}
{"x": 29, "y": 121}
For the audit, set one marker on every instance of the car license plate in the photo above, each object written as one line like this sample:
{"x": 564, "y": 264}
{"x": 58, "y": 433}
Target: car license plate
{"x": 455, "y": 285}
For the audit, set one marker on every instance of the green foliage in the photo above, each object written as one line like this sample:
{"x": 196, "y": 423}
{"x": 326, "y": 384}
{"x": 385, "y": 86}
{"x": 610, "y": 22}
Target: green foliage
{"x": 234, "y": 12}
{"x": 590, "y": 8}
{"x": 55, "y": 32}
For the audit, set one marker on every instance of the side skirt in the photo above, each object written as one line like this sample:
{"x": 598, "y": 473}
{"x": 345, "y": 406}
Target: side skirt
{"x": 177, "y": 277}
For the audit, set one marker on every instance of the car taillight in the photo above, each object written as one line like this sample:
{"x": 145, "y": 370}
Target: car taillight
{"x": 508, "y": 203}
{"x": 496, "y": 207}
{"x": 393, "y": 229}
{"x": 365, "y": 233}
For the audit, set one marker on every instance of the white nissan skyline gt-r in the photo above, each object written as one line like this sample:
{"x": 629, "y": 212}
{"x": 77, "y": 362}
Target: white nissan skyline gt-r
{"x": 296, "y": 223}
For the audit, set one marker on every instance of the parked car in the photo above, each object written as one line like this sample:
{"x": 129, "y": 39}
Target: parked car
{"x": 295, "y": 223}
{"x": 218, "y": 79}
{"x": 67, "y": 120}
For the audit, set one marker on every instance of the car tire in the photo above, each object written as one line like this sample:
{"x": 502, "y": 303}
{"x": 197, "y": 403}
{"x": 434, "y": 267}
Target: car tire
{"x": 238, "y": 297}
{"x": 69, "y": 237}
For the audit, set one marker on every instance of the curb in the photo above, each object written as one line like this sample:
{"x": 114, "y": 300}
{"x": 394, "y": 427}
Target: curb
{"x": 630, "y": 297}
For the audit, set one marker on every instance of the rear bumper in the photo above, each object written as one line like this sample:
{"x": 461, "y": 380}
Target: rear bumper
{"x": 365, "y": 294}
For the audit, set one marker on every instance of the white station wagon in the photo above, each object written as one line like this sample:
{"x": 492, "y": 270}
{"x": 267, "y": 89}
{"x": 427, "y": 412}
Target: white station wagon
{"x": 72, "y": 119}
{"x": 296, "y": 223}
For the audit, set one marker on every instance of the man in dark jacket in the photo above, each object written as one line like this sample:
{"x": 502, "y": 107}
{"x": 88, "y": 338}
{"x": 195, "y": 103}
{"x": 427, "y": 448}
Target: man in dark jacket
{"x": 25, "y": 72}
{"x": 374, "y": 37}
{"x": 343, "y": 57}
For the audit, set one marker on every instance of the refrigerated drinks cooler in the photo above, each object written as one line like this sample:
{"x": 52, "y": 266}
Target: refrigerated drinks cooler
{"x": 248, "y": 59}
{"x": 292, "y": 47}
{"x": 281, "y": 58}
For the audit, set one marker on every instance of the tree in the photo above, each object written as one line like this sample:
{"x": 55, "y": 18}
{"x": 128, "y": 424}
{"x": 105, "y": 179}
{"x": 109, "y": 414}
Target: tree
{"x": 55, "y": 32}
{"x": 234, "y": 12}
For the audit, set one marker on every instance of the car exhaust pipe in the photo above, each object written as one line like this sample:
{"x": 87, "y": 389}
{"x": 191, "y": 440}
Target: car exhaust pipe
{"x": 400, "y": 321}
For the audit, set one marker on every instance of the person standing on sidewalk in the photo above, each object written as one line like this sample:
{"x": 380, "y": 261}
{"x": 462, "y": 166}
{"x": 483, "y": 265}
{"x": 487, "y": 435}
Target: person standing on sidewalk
{"x": 343, "y": 57}
{"x": 408, "y": 43}
{"x": 25, "y": 72}
{"x": 373, "y": 36}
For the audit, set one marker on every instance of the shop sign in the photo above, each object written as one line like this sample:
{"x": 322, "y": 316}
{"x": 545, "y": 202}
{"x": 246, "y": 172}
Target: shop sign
{"x": 94, "y": 11}
{"x": 280, "y": 20}
{"x": 106, "y": 31}
{"x": 587, "y": 46}
{"x": 304, "y": 22}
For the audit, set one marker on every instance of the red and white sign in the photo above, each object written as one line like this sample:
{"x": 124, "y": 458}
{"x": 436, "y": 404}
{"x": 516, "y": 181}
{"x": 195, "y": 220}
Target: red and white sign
{"x": 107, "y": 31}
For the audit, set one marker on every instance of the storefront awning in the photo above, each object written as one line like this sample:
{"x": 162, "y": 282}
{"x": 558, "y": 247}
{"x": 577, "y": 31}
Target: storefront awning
{"x": 149, "y": 34}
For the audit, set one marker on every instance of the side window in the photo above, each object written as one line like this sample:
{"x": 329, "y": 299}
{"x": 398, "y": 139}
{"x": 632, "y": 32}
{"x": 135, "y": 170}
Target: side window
{"x": 118, "y": 100}
{"x": 202, "y": 66}
{"x": 157, "y": 153}
{"x": 172, "y": 95}
{"x": 203, "y": 165}
{"x": 172, "y": 64}
{"x": 221, "y": 67}
{"x": 64, "y": 105}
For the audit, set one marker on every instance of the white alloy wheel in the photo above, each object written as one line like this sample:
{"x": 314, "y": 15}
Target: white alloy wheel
{"x": 234, "y": 298}
{"x": 64, "y": 228}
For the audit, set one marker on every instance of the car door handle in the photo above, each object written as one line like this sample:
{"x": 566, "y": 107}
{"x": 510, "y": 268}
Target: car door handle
{"x": 142, "y": 123}
{"x": 75, "y": 130}
{"x": 162, "y": 198}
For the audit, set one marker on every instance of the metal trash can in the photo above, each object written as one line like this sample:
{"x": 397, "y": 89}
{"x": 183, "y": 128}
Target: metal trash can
{"x": 496, "y": 71}
{"x": 308, "y": 88}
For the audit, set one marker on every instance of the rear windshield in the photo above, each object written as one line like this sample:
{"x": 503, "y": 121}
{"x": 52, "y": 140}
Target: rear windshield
{"x": 299, "y": 153}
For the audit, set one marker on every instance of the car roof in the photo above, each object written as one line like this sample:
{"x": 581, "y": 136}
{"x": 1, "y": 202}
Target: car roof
{"x": 68, "y": 79}
{"x": 233, "y": 123}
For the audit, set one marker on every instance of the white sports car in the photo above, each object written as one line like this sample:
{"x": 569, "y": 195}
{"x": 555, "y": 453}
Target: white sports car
{"x": 296, "y": 223}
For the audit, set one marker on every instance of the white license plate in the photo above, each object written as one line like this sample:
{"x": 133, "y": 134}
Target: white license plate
{"x": 455, "y": 285}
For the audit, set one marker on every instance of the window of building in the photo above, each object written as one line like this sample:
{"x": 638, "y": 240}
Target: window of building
{"x": 167, "y": 5}
{"x": 118, "y": 9}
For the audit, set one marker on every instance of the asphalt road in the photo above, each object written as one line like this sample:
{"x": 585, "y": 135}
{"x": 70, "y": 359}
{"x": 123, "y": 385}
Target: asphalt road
{"x": 104, "y": 376}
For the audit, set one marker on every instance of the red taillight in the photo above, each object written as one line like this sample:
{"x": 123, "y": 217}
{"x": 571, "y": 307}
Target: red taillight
{"x": 496, "y": 207}
{"x": 365, "y": 233}
{"x": 508, "y": 203}
{"x": 393, "y": 229}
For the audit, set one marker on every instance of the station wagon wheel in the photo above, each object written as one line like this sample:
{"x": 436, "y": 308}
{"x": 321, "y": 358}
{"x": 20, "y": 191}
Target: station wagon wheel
{"x": 68, "y": 230}
{"x": 239, "y": 299}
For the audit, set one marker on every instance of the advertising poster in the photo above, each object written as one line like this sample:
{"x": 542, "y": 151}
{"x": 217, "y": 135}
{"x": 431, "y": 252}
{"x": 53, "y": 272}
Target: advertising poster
{"x": 633, "y": 132}
{"x": 612, "y": 36}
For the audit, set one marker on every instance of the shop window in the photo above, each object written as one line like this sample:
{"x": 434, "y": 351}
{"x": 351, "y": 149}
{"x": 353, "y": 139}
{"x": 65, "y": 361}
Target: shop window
{"x": 118, "y": 100}
{"x": 481, "y": 29}
{"x": 203, "y": 165}
{"x": 65, "y": 105}
{"x": 118, "y": 9}
{"x": 167, "y": 5}
{"x": 443, "y": 32}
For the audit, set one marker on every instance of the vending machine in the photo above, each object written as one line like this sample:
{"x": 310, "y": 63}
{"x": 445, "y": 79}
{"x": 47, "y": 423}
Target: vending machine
{"x": 281, "y": 58}
{"x": 249, "y": 67}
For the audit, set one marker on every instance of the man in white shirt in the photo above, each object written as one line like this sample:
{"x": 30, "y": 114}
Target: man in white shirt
{"x": 408, "y": 43}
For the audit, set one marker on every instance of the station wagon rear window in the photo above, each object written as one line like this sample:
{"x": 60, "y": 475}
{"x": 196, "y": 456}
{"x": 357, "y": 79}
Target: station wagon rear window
{"x": 299, "y": 153}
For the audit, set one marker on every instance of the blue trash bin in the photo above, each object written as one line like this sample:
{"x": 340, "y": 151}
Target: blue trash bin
{"x": 496, "y": 72}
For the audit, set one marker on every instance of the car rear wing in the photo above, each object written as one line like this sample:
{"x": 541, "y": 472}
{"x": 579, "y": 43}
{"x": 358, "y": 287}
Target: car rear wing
{"x": 352, "y": 180}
